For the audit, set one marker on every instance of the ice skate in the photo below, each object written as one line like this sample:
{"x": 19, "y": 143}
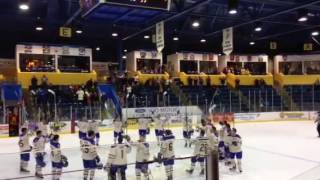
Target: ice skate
{"x": 202, "y": 172}
{"x": 39, "y": 175}
{"x": 24, "y": 170}
{"x": 190, "y": 171}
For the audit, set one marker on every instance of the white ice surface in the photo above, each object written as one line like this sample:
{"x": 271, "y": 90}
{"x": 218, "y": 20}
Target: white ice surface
{"x": 272, "y": 151}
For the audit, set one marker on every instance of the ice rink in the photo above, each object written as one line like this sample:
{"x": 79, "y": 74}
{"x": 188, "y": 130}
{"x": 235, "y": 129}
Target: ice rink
{"x": 272, "y": 151}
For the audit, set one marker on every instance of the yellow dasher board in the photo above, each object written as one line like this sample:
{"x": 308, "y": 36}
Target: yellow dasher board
{"x": 65, "y": 32}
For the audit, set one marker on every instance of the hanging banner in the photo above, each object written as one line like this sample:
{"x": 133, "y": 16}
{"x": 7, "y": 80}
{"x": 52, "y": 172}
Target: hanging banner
{"x": 308, "y": 47}
{"x": 160, "y": 36}
{"x": 227, "y": 43}
{"x": 273, "y": 45}
{"x": 65, "y": 32}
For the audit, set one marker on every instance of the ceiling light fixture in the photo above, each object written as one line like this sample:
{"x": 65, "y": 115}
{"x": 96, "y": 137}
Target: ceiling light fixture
{"x": 98, "y": 48}
{"x": 195, "y": 24}
{"x": 303, "y": 15}
{"x": 24, "y": 5}
{"x": 233, "y": 7}
{"x": 114, "y": 34}
{"x": 203, "y": 40}
{"x": 146, "y": 37}
{"x": 315, "y": 33}
{"x": 252, "y": 43}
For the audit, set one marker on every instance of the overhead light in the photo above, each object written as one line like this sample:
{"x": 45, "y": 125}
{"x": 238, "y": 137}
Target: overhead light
{"x": 98, "y": 48}
{"x": 125, "y": 50}
{"x": 115, "y": 34}
{"x": 124, "y": 57}
{"x": 39, "y": 28}
{"x": 258, "y": 29}
{"x": 303, "y": 19}
{"x": 203, "y": 40}
{"x": 175, "y": 38}
{"x": 315, "y": 33}
{"x": 79, "y": 31}
{"x": 195, "y": 24}
{"x": 303, "y": 15}
{"x": 146, "y": 36}
{"x": 233, "y": 6}
{"x": 252, "y": 43}
{"x": 24, "y": 5}
{"x": 39, "y": 24}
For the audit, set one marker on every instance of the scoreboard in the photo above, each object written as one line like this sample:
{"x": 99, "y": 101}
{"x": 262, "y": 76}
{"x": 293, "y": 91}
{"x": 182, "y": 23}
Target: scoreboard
{"x": 152, "y": 4}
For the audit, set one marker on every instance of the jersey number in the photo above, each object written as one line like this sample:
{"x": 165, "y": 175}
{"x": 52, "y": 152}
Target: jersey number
{"x": 204, "y": 148}
{"x": 170, "y": 147}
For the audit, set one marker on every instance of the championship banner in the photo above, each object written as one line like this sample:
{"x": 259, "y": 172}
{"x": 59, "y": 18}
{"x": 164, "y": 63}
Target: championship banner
{"x": 160, "y": 36}
{"x": 65, "y": 32}
{"x": 273, "y": 45}
{"x": 227, "y": 43}
{"x": 308, "y": 47}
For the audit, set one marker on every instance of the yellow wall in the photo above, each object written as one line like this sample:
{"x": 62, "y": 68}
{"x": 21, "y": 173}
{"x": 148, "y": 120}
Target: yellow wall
{"x": 56, "y": 78}
{"x": 144, "y": 77}
{"x": 249, "y": 80}
{"x": 296, "y": 79}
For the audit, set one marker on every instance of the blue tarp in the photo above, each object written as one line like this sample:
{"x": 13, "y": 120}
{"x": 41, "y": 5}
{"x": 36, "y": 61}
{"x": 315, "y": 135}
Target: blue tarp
{"x": 11, "y": 92}
{"x": 108, "y": 91}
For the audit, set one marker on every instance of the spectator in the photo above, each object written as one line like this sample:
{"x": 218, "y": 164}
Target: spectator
{"x": 34, "y": 82}
{"x": 44, "y": 81}
{"x": 80, "y": 96}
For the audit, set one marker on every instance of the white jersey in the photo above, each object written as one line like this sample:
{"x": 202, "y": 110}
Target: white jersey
{"x": 212, "y": 141}
{"x": 159, "y": 123}
{"x": 143, "y": 151}
{"x": 39, "y": 144}
{"x": 208, "y": 128}
{"x": 201, "y": 146}
{"x": 227, "y": 140}
{"x": 43, "y": 128}
{"x": 235, "y": 144}
{"x": 118, "y": 154}
{"x": 83, "y": 126}
{"x": 167, "y": 148}
{"x": 187, "y": 125}
{"x": 93, "y": 126}
{"x": 143, "y": 123}
{"x": 117, "y": 126}
{"x": 55, "y": 151}
{"x": 24, "y": 144}
{"x": 88, "y": 149}
{"x": 222, "y": 133}
{"x": 80, "y": 94}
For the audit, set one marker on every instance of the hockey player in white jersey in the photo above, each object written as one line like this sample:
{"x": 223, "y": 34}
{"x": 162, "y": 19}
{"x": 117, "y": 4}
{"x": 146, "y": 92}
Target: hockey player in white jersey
{"x": 117, "y": 129}
{"x": 235, "y": 150}
{"x": 58, "y": 161}
{"x": 222, "y": 134}
{"x": 90, "y": 157}
{"x": 39, "y": 143}
{"x": 201, "y": 150}
{"x": 159, "y": 123}
{"x": 117, "y": 160}
{"x": 93, "y": 125}
{"x": 142, "y": 157}
{"x": 41, "y": 126}
{"x": 144, "y": 129}
{"x": 167, "y": 153}
{"x": 227, "y": 142}
{"x": 187, "y": 131}
{"x": 213, "y": 141}
{"x": 25, "y": 149}
{"x": 83, "y": 128}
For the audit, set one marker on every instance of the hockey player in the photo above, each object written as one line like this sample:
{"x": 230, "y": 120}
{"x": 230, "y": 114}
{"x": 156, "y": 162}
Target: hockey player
{"x": 39, "y": 143}
{"x": 117, "y": 160}
{"x": 235, "y": 150}
{"x": 167, "y": 153}
{"x": 187, "y": 131}
{"x": 41, "y": 126}
{"x": 93, "y": 125}
{"x": 159, "y": 123}
{"x": 91, "y": 160}
{"x": 83, "y": 128}
{"x": 222, "y": 134}
{"x": 25, "y": 149}
{"x": 227, "y": 142}
{"x": 58, "y": 160}
{"x": 144, "y": 126}
{"x": 200, "y": 152}
{"x": 212, "y": 139}
{"x": 142, "y": 156}
{"x": 117, "y": 129}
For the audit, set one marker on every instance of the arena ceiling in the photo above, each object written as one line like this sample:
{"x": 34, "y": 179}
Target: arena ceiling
{"x": 278, "y": 19}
